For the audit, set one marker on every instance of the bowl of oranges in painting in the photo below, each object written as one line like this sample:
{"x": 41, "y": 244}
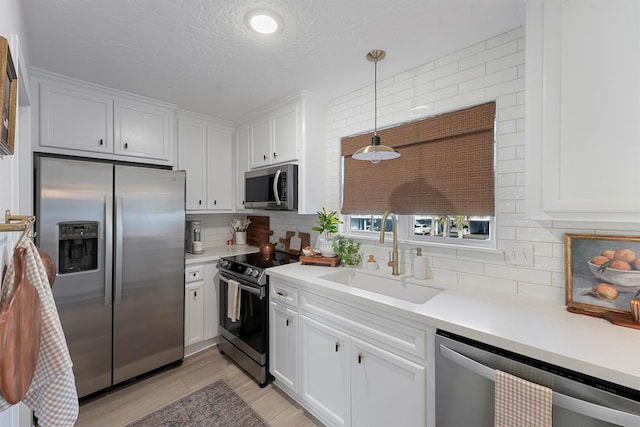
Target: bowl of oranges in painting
{"x": 620, "y": 267}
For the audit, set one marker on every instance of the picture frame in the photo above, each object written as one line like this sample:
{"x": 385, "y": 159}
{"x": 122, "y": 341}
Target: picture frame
{"x": 602, "y": 273}
{"x": 8, "y": 98}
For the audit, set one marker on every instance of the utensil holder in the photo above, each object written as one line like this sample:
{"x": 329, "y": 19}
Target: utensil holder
{"x": 241, "y": 237}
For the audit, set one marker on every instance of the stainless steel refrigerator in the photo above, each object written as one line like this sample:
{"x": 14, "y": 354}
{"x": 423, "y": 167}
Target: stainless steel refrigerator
{"x": 116, "y": 233}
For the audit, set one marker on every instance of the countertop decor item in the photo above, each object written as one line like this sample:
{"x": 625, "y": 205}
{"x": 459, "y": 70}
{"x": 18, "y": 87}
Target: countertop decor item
{"x": 347, "y": 250}
{"x": 602, "y": 276}
{"x": 371, "y": 263}
{"x": 327, "y": 227}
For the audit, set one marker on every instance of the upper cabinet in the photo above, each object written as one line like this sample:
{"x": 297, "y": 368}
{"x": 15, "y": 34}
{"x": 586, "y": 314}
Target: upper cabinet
{"x": 78, "y": 118}
{"x": 205, "y": 152}
{"x": 141, "y": 130}
{"x": 583, "y": 81}
{"x": 274, "y": 136}
{"x": 289, "y": 131}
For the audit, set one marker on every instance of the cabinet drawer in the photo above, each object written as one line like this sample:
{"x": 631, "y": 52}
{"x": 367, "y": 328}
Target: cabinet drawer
{"x": 401, "y": 337}
{"x": 194, "y": 274}
{"x": 283, "y": 294}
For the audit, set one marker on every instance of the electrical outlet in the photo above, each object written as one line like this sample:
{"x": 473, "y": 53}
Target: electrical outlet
{"x": 518, "y": 253}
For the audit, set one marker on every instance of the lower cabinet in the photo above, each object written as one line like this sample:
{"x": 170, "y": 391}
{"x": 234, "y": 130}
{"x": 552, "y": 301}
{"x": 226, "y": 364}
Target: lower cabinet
{"x": 347, "y": 365}
{"x": 200, "y": 304}
{"x": 283, "y": 337}
{"x": 194, "y": 313}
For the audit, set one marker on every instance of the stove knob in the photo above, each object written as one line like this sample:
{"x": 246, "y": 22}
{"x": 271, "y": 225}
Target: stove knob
{"x": 248, "y": 271}
{"x": 255, "y": 273}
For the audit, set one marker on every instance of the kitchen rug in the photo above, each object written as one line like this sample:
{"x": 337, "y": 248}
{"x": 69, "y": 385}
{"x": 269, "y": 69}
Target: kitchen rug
{"x": 215, "y": 405}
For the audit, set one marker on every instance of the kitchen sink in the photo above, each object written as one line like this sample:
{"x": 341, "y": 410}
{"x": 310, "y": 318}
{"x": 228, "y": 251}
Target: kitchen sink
{"x": 398, "y": 288}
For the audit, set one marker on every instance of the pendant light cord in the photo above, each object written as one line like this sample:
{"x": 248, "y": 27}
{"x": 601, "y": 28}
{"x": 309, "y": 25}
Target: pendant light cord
{"x": 375, "y": 97}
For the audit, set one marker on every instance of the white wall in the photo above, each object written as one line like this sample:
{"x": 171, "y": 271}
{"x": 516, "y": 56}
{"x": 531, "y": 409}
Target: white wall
{"x": 489, "y": 70}
{"x": 12, "y": 28}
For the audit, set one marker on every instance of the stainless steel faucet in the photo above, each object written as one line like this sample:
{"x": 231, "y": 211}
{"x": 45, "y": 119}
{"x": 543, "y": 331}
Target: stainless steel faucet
{"x": 393, "y": 261}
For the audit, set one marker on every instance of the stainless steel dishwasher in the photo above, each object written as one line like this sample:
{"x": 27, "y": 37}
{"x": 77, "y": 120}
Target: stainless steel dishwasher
{"x": 465, "y": 376}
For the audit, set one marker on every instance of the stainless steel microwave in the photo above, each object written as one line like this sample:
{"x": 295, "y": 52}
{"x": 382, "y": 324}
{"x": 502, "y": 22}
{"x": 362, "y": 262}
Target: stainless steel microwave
{"x": 272, "y": 188}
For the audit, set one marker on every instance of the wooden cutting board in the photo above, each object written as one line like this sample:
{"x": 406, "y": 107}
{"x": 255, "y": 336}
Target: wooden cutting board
{"x": 19, "y": 334}
{"x": 259, "y": 231}
{"x": 293, "y": 243}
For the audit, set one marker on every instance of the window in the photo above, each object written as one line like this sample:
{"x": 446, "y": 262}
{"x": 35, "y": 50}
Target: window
{"x": 442, "y": 187}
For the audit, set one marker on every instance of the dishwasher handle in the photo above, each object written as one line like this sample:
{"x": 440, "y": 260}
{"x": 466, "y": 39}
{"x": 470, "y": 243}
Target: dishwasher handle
{"x": 589, "y": 409}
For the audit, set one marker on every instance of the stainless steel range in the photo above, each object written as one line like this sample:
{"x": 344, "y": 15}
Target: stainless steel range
{"x": 245, "y": 332}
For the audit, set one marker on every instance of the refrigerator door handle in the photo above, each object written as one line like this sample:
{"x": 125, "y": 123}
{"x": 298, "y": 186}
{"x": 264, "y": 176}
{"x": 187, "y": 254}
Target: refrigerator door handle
{"x": 108, "y": 249}
{"x": 570, "y": 403}
{"x": 118, "y": 243}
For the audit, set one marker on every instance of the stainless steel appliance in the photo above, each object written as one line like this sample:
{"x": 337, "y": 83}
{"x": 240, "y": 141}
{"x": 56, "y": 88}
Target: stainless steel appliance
{"x": 465, "y": 375}
{"x": 272, "y": 188}
{"x": 116, "y": 233}
{"x": 193, "y": 234}
{"x": 246, "y": 340}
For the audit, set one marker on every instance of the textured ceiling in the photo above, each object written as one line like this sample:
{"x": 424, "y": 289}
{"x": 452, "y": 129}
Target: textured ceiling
{"x": 200, "y": 55}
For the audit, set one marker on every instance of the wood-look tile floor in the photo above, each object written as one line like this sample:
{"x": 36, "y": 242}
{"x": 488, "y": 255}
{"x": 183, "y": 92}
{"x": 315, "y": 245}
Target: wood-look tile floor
{"x": 127, "y": 403}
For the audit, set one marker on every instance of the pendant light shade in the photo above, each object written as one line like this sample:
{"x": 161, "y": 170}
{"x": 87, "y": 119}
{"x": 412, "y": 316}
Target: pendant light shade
{"x": 376, "y": 151}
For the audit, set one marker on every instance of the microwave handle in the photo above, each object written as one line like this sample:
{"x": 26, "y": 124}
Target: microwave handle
{"x": 275, "y": 188}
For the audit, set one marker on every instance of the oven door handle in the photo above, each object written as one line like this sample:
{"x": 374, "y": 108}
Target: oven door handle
{"x": 255, "y": 291}
{"x": 573, "y": 404}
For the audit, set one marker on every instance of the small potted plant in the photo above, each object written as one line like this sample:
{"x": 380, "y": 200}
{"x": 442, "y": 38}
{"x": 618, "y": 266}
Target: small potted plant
{"x": 327, "y": 227}
{"x": 348, "y": 250}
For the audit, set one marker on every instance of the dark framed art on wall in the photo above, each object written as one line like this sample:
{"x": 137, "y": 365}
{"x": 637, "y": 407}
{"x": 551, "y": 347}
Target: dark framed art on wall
{"x": 8, "y": 98}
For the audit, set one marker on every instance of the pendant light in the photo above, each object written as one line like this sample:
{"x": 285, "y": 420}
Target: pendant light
{"x": 376, "y": 151}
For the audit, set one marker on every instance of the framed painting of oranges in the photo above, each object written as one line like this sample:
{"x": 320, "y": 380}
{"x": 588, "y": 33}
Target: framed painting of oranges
{"x": 602, "y": 272}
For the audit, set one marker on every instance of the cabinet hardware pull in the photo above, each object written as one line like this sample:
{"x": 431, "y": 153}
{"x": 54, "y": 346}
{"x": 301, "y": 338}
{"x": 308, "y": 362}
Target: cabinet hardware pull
{"x": 126, "y": 145}
{"x": 288, "y": 322}
{"x": 200, "y": 202}
{"x": 360, "y": 357}
{"x": 101, "y": 141}
{"x": 215, "y": 202}
{"x": 195, "y": 294}
{"x": 337, "y": 347}
{"x": 264, "y": 157}
{"x": 274, "y": 155}
{"x": 282, "y": 294}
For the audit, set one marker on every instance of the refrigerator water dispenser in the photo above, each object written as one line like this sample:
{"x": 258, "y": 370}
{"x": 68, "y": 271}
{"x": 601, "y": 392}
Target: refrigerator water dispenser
{"x": 77, "y": 247}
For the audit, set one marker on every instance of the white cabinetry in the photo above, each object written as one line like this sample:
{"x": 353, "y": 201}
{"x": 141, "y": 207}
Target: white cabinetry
{"x": 583, "y": 81}
{"x": 283, "y": 335}
{"x": 78, "y": 118}
{"x": 194, "y": 305}
{"x": 274, "y": 136}
{"x": 141, "y": 131}
{"x": 356, "y": 367}
{"x": 242, "y": 162}
{"x": 75, "y": 119}
{"x": 200, "y": 305}
{"x": 205, "y": 153}
{"x": 289, "y": 131}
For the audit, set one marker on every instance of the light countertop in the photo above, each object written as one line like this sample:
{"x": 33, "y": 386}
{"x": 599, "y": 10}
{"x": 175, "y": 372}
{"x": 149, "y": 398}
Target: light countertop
{"x": 216, "y": 252}
{"x": 535, "y": 328}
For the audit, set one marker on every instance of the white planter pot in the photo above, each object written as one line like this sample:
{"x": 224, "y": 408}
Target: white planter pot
{"x": 326, "y": 247}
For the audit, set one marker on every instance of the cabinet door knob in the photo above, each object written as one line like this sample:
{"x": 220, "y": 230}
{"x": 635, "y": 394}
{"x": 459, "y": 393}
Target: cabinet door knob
{"x": 200, "y": 202}
{"x": 101, "y": 141}
{"x": 195, "y": 294}
{"x": 264, "y": 157}
{"x": 215, "y": 202}
{"x": 274, "y": 155}
{"x": 126, "y": 145}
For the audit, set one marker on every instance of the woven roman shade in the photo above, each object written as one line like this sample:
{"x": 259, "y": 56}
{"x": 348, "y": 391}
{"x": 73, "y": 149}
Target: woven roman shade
{"x": 446, "y": 167}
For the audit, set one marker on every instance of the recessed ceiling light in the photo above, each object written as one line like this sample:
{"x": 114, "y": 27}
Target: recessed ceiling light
{"x": 264, "y": 22}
